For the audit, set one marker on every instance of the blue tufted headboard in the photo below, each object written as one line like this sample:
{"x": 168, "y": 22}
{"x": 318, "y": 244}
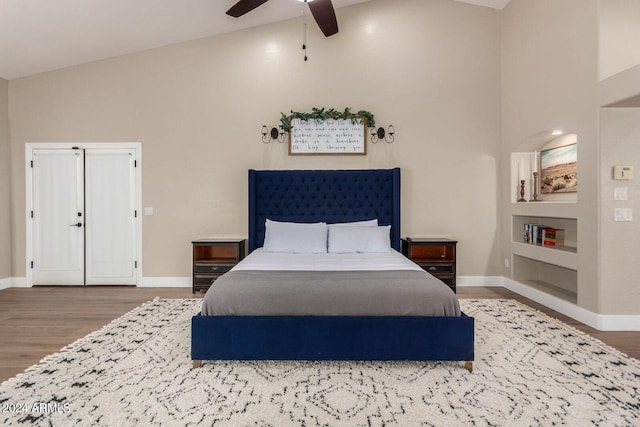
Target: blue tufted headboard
{"x": 323, "y": 195}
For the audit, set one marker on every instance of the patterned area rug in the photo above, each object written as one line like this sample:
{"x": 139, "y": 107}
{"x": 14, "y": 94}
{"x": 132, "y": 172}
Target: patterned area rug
{"x": 530, "y": 370}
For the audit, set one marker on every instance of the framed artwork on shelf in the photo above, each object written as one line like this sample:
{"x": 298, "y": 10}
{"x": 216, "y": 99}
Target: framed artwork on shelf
{"x": 559, "y": 169}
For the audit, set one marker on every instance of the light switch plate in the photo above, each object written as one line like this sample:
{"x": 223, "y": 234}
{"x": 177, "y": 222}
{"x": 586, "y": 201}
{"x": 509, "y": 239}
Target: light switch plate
{"x": 620, "y": 193}
{"x": 622, "y": 214}
{"x": 148, "y": 211}
{"x": 623, "y": 172}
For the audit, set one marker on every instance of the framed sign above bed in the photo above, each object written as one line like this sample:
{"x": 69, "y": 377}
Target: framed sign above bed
{"x": 331, "y": 136}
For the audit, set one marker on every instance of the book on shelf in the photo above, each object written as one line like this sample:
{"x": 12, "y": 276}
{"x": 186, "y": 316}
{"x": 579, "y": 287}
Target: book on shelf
{"x": 553, "y": 237}
{"x": 541, "y": 234}
{"x": 531, "y": 232}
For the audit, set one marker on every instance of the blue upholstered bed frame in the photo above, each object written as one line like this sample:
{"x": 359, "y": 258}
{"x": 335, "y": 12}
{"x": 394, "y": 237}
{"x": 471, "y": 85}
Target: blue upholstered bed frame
{"x": 330, "y": 196}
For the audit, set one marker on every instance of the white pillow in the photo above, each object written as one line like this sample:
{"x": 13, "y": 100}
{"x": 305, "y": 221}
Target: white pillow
{"x": 295, "y": 237}
{"x": 367, "y": 223}
{"x": 359, "y": 239}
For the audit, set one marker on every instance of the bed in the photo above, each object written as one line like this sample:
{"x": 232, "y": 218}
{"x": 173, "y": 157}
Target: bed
{"x": 337, "y": 196}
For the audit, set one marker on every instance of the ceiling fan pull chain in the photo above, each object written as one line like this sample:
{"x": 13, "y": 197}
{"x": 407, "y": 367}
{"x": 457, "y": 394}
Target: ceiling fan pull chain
{"x": 304, "y": 30}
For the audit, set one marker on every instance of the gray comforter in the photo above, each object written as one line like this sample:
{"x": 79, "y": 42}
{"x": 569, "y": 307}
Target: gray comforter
{"x": 327, "y": 293}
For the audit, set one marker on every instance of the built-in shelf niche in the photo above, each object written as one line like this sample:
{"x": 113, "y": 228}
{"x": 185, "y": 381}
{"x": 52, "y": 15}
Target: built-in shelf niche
{"x": 523, "y": 165}
{"x": 552, "y": 279}
{"x": 550, "y": 269}
{"x": 569, "y": 225}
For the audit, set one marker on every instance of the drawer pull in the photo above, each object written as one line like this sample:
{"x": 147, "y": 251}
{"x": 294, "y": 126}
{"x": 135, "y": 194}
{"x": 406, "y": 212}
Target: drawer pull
{"x": 432, "y": 268}
{"x": 215, "y": 268}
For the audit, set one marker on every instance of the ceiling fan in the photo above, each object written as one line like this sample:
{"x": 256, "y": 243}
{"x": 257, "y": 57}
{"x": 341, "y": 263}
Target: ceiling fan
{"x": 322, "y": 11}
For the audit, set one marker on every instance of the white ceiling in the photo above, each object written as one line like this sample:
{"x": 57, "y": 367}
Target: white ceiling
{"x": 44, "y": 35}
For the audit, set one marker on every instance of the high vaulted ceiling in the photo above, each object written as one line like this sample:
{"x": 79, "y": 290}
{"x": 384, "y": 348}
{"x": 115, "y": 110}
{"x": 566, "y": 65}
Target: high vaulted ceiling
{"x": 44, "y": 35}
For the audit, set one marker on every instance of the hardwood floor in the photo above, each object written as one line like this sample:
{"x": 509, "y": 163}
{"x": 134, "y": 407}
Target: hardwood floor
{"x": 35, "y": 322}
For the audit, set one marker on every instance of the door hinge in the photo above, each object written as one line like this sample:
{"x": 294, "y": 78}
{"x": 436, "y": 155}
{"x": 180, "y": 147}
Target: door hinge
{"x": 135, "y": 264}
{"x": 75, "y": 148}
{"x": 31, "y": 163}
{"x": 135, "y": 163}
{"x": 135, "y": 214}
{"x": 31, "y": 264}
{"x": 31, "y": 214}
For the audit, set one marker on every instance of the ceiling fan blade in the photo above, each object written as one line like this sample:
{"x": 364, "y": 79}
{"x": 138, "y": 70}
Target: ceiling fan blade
{"x": 244, "y": 6}
{"x": 325, "y": 16}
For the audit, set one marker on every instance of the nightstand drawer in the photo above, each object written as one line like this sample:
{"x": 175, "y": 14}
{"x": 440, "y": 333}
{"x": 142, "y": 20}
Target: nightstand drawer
{"x": 201, "y": 281}
{"x": 212, "y": 268}
{"x": 438, "y": 269}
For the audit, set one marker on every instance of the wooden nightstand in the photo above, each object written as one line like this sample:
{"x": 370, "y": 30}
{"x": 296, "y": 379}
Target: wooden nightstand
{"x": 436, "y": 256}
{"x": 214, "y": 257}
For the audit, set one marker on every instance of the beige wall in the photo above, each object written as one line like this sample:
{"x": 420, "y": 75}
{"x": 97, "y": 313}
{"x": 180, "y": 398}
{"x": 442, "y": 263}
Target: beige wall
{"x": 619, "y": 36}
{"x": 620, "y": 135}
{"x": 431, "y": 68}
{"x": 5, "y": 178}
{"x": 549, "y": 81}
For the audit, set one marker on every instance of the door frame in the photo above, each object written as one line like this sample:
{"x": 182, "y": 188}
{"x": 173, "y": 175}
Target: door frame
{"x": 31, "y": 146}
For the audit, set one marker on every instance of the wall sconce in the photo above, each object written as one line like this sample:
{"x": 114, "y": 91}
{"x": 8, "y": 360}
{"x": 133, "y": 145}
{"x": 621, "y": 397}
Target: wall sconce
{"x": 382, "y": 135}
{"x": 274, "y": 134}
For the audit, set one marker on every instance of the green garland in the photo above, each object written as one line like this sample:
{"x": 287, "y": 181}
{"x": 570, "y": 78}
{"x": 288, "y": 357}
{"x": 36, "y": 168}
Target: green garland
{"x": 322, "y": 114}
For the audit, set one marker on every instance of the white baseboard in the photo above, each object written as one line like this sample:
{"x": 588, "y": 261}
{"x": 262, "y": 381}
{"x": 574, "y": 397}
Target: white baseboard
{"x": 19, "y": 282}
{"x": 619, "y": 322}
{"x": 165, "y": 282}
{"x": 601, "y": 322}
{"x": 561, "y": 306}
{"x": 480, "y": 281}
{"x": 146, "y": 282}
{"x": 13, "y": 282}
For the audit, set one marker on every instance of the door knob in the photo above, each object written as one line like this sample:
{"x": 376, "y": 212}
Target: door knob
{"x": 76, "y": 225}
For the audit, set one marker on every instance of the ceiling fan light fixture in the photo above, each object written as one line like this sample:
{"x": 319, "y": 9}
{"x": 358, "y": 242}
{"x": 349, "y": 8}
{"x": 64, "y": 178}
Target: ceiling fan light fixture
{"x": 325, "y": 16}
{"x": 322, "y": 11}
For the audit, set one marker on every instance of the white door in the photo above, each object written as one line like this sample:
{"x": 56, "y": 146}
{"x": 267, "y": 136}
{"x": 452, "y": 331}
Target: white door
{"x": 84, "y": 218}
{"x": 58, "y": 217}
{"x": 111, "y": 216}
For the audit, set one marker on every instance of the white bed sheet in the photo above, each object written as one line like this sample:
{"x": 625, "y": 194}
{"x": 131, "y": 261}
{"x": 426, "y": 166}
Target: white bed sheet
{"x": 270, "y": 261}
